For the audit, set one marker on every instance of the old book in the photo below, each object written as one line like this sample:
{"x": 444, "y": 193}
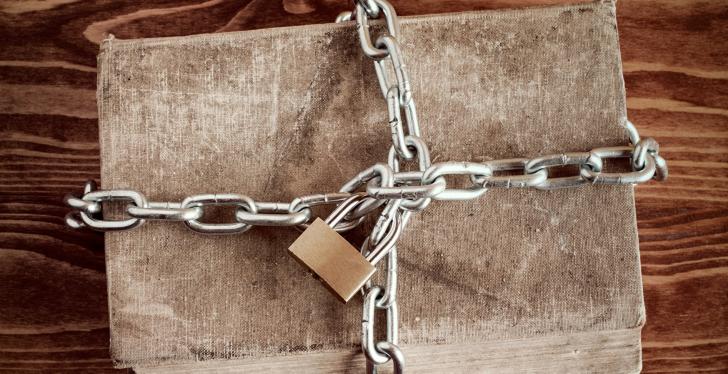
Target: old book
{"x": 517, "y": 280}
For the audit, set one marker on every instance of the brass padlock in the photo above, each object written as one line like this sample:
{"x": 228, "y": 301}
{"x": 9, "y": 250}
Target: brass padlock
{"x": 337, "y": 263}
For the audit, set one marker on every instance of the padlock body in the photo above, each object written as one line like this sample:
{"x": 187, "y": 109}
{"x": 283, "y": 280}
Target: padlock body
{"x": 338, "y": 264}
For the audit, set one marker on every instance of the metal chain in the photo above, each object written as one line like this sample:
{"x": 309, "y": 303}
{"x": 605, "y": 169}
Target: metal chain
{"x": 397, "y": 193}
{"x": 409, "y": 191}
{"x": 384, "y": 184}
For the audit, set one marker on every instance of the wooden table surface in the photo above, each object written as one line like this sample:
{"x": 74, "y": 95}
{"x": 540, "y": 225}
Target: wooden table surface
{"x": 53, "y": 307}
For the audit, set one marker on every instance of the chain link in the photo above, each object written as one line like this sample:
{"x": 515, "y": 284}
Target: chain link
{"x": 508, "y": 181}
{"x": 165, "y": 211}
{"x": 398, "y": 193}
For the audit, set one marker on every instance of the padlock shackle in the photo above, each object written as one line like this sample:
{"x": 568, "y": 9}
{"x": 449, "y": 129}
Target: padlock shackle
{"x": 343, "y": 209}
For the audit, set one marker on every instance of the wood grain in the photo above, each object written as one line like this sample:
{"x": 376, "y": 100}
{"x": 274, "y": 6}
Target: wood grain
{"x": 53, "y": 314}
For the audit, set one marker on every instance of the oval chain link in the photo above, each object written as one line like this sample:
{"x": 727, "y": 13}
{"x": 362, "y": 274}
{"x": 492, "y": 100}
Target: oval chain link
{"x": 582, "y": 159}
{"x": 99, "y": 196}
{"x": 165, "y": 211}
{"x": 238, "y": 201}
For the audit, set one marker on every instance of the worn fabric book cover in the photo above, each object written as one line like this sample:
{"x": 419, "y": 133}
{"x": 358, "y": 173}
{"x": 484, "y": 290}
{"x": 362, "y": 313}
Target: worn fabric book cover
{"x": 516, "y": 280}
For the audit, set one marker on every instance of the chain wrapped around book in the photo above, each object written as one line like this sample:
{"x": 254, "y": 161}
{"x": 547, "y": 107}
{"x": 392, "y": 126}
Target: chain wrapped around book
{"x": 383, "y": 189}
